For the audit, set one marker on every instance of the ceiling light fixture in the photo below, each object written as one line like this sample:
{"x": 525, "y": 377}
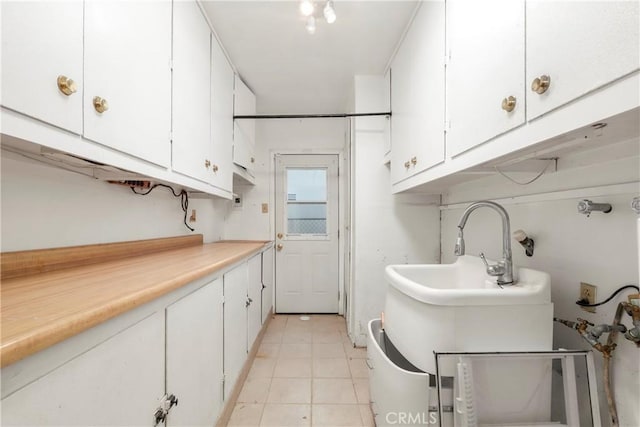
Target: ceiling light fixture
{"x": 311, "y": 25}
{"x": 329, "y": 12}
{"x": 307, "y": 7}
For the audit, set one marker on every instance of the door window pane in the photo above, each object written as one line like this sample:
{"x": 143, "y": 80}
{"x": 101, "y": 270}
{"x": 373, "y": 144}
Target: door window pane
{"x": 306, "y": 201}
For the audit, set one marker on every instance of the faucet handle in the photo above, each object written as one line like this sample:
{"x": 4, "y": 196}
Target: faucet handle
{"x": 495, "y": 269}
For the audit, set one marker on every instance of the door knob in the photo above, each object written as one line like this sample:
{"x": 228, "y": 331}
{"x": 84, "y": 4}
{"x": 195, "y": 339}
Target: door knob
{"x": 66, "y": 85}
{"x": 414, "y": 160}
{"x": 100, "y": 104}
{"x": 207, "y": 163}
{"x": 540, "y": 84}
{"x": 215, "y": 168}
{"x": 509, "y": 104}
{"x": 279, "y": 246}
{"x": 407, "y": 164}
{"x": 279, "y": 235}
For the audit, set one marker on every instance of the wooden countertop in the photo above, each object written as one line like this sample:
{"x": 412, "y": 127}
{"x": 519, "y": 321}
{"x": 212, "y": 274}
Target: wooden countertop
{"x": 40, "y": 310}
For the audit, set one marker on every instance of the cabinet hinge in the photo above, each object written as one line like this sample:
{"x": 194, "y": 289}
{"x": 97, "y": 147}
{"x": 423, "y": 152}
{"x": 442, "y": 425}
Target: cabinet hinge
{"x": 166, "y": 403}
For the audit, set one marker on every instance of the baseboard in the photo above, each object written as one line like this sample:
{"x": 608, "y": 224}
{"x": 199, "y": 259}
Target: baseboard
{"x": 223, "y": 420}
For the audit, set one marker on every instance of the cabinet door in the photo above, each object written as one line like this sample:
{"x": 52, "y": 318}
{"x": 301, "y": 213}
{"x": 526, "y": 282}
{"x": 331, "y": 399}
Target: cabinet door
{"x": 417, "y": 88}
{"x": 191, "y": 105}
{"x": 581, "y": 46}
{"x": 244, "y": 132}
{"x": 267, "y": 283}
{"x": 127, "y": 63}
{"x": 235, "y": 325}
{"x": 118, "y": 382}
{"x": 222, "y": 77}
{"x": 485, "y": 42}
{"x": 254, "y": 294}
{"x": 194, "y": 356}
{"x": 40, "y": 43}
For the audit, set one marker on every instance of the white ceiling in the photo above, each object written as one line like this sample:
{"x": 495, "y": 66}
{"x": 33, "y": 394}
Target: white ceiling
{"x": 293, "y": 72}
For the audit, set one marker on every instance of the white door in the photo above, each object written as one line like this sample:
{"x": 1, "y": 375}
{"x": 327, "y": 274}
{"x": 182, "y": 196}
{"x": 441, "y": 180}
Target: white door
{"x": 306, "y": 234}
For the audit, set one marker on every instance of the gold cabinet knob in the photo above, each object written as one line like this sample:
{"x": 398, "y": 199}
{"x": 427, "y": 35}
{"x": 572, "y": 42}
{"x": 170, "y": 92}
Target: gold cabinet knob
{"x": 280, "y": 235}
{"x": 279, "y": 246}
{"x": 207, "y": 163}
{"x": 509, "y": 104}
{"x": 407, "y": 164}
{"x": 215, "y": 168}
{"x": 100, "y": 104}
{"x": 414, "y": 160}
{"x": 540, "y": 84}
{"x": 66, "y": 85}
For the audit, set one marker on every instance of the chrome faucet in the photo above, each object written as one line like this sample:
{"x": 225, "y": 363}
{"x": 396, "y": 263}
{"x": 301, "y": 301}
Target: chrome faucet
{"x": 503, "y": 270}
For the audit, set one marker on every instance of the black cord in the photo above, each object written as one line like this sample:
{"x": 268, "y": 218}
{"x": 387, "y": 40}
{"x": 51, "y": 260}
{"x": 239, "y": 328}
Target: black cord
{"x": 582, "y": 304}
{"x": 184, "y": 199}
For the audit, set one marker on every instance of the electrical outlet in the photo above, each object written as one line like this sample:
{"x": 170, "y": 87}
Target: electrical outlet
{"x": 588, "y": 294}
{"x": 265, "y": 208}
{"x": 192, "y": 218}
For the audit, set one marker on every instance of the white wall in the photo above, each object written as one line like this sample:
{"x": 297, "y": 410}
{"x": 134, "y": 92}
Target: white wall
{"x": 601, "y": 250}
{"x": 44, "y": 207}
{"x": 386, "y": 229}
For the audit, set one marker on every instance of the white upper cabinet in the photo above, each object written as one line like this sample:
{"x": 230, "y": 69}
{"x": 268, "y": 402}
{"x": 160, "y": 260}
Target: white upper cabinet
{"x": 222, "y": 81}
{"x": 41, "y": 44}
{"x": 417, "y": 95}
{"x": 127, "y": 70}
{"x": 191, "y": 147}
{"x": 485, "y": 90}
{"x": 581, "y": 46}
{"x": 244, "y": 133}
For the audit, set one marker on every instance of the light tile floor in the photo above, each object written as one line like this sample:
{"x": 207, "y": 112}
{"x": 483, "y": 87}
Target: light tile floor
{"x": 306, "y": 373}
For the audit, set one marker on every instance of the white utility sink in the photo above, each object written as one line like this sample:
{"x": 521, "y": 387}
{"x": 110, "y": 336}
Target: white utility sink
{"x": 466, "y": 282}
{"x": 459, "y": 308}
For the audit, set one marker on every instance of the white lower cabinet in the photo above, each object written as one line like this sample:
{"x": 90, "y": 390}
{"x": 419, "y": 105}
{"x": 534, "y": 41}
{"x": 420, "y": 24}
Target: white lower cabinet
{"x": 194, "y": 360}
{"x": 118, "y": 382}
{"x": 267, "y": 283}
{"x": 191, "y": 344}
{"x": 254, "y": 303}
{"x": 235, "y": 325}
